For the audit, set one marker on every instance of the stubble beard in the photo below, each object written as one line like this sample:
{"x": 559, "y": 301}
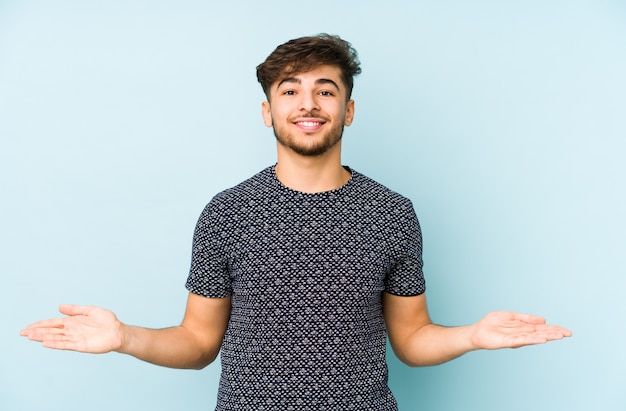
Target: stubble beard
{"x": 311, "y": 148}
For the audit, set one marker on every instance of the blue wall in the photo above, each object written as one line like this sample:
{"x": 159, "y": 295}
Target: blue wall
{"x": 503, "y": 121}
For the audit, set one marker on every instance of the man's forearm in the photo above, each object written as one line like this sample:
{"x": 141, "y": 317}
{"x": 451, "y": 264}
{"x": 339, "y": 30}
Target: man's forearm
{"x": 175, "y": 347}
{"x": 434, "y": 344}
{"x": 431, "y": 344}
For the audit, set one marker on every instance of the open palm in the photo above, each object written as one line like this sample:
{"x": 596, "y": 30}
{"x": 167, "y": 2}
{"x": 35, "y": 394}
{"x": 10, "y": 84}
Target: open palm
{"x": 86, "y": 329}
{"x": 501, "y": 329}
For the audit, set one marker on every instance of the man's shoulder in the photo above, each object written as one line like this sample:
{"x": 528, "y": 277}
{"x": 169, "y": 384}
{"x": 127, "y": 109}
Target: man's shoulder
{"x": 257, "y": 185}
{"x": 372, "y": 190}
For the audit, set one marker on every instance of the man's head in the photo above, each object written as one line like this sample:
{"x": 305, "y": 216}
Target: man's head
{"x": 305, "y": 54}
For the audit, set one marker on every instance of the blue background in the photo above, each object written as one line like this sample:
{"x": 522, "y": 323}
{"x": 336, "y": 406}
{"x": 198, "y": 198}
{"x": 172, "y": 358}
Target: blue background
{"x": 503, "y": 121}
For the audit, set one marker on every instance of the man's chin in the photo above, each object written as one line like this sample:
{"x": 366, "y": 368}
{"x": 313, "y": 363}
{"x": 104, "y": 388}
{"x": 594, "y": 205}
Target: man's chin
{"x": 308, "y": 150}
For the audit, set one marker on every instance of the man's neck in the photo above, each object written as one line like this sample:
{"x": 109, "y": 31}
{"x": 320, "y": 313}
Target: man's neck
{"x": 311, "y": 174}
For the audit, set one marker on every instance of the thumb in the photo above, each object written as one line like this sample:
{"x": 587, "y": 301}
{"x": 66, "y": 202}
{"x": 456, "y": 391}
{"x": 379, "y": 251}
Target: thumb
{"x": 73, "y": 309}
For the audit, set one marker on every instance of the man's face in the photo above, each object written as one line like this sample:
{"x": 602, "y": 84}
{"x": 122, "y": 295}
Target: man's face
{"x": 309, "y": 110}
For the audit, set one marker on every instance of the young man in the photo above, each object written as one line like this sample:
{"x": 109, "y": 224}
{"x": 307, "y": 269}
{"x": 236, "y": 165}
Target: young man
{"x": 299, "y": 273}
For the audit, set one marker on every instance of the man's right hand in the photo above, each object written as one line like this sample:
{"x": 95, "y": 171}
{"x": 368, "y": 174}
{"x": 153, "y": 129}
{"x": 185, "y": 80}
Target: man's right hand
{"x": 195, "y": 343}
{"x": 85, "y": 329}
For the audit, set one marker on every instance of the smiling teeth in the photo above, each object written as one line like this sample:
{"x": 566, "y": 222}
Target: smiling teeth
{"x": 309, "y": 123}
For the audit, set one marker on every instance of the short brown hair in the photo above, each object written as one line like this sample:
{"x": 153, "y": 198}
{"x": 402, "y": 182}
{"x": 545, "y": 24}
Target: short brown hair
{"x": 306, "y": 53}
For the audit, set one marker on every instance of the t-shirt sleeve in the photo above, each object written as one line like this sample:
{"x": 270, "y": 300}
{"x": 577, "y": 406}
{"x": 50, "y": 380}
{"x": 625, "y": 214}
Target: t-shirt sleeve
{"x": 208, "y": 274}
{"x": 406, "y": 276}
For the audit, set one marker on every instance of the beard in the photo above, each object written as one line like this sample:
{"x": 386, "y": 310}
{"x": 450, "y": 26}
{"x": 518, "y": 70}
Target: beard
{"x": 309, "y": 146}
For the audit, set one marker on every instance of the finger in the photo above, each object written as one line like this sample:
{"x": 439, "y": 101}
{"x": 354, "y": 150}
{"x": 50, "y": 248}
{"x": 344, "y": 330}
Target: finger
{"x": 59, "y": 345}
{"x": 73, "y": 309}
{"x": 67, "y": 309}
{"x": 528, "y": 339}
{"x": 41, "y": 334}
{"x": 529, "y": 318}
{"x": 50, "y": 323}
{"x": 548, "y": 329}
{"x": 540, "y": 335}
{"x": 59, "y": 342}
{"x": 556, "y": 333}
{"x": 56, "y": 338}
{"x": 567, "y": 332}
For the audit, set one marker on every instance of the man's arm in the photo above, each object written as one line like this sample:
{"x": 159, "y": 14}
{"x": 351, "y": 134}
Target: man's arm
{"x": 193, "y": 344}
{"x": 418, "y": 342}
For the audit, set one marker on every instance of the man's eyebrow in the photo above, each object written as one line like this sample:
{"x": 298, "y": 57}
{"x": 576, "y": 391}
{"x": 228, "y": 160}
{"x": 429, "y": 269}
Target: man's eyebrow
{"x": 289, "y": 80}
{"x": 327, "y": 81}
{"x": 317, "y": 82}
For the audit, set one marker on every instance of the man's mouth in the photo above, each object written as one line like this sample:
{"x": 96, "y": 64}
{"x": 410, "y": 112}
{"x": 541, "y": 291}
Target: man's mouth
{"x": 309, "y": 124}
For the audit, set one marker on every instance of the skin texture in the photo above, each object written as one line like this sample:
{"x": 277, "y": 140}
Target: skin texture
{"x": 308, "y": 112}
{"x": 309, "y": 157}
{"x": 416, "y": 341}
{"x": 194, "y": 344}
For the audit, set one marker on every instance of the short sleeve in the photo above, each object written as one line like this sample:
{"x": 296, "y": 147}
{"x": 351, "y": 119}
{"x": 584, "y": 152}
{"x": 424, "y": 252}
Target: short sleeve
{"x": 406, "y": 276}
{"x": 208, "y": 274}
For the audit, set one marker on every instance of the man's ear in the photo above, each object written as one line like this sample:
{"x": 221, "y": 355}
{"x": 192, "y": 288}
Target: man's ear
{"x": 267, "y": 113}
{"x": 349, "y": 113}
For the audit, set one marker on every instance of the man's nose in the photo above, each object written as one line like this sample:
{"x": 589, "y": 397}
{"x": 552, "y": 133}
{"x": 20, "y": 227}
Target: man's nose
{"x": 308, "y": 102}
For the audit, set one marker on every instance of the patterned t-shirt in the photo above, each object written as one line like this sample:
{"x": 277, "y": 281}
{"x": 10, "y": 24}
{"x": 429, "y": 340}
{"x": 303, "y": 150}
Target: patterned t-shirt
{"x": 306, "y": 273}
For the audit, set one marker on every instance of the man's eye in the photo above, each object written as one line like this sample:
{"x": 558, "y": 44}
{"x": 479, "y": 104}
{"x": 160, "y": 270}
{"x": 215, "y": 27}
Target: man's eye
{"x": 326, "y": 93}
{"x": 289, "y": 92}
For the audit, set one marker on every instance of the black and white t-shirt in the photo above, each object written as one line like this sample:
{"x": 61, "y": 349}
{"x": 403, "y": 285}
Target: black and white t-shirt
{"x": 306, "y": 273}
